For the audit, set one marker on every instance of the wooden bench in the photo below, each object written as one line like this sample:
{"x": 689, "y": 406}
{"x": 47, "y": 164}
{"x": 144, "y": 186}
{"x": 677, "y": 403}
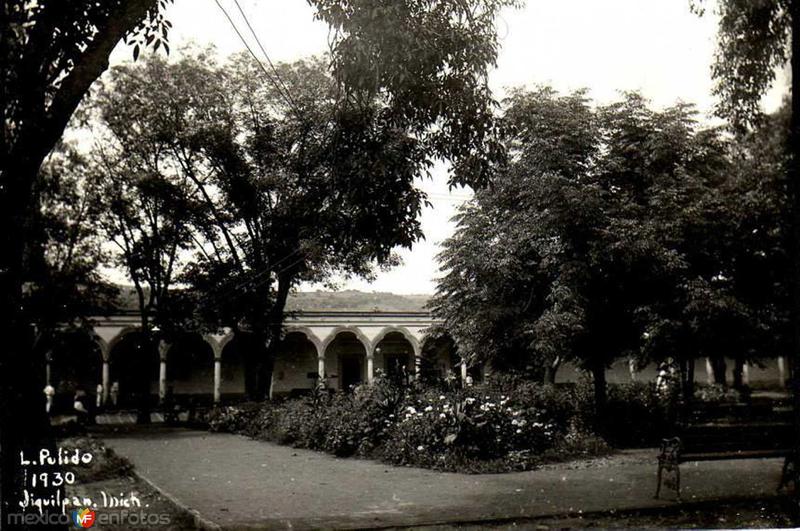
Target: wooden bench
{"x": 735, "y": 437}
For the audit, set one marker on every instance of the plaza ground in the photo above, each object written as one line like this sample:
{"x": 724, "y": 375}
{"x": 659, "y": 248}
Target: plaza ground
{"x": 233, "y": 482}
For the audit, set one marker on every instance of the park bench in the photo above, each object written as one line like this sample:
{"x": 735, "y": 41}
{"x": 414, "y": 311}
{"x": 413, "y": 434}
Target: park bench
{"x": 729, "y": 431}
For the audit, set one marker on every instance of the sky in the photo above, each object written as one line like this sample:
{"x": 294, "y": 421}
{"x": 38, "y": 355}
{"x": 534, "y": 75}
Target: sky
{"x": 656, "y": 47}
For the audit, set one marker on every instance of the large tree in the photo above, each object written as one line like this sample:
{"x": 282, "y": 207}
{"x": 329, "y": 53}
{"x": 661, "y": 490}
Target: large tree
{"x": 284, "y": 189}
{"x": 145, "y": 218}
{"x": 755, "y": 40}
{"x": 594, "y": 241}
{"x": 429, "y": 58}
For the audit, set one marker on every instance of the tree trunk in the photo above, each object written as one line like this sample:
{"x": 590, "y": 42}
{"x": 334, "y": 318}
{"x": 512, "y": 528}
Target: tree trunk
{"x": 24, "y": 425}
{"x": 793, "y": 180}
{"x": 550, "y": 370}
{"x": 549, "y": 375}
{"x": 738, "y": 374}
{"x": 688, "y": 384}
{"x": 23, "y": 422}
{"x": 719, "y": 366}
{"x": 143, "y": 408}
{"x": 599, "y": 377}
{"x": 275, "y": 330}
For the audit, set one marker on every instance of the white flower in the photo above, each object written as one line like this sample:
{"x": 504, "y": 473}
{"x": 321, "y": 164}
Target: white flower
{"x": 411, "y": 409}
{"x": 420, "y": 448}
{"x": 442, "y": 415}
{"x": 441, "y": 397}
{"x": 519, "y": 431}
{"x": 429, "y": 408}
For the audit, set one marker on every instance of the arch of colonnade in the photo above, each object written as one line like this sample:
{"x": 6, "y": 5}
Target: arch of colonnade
{"x": 322, "y": 332}
{"x": 319, "y": 353}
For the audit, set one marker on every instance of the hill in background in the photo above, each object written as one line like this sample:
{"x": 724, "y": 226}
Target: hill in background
{"x": 346, "y": 300}
{"x": 352, "y": 300}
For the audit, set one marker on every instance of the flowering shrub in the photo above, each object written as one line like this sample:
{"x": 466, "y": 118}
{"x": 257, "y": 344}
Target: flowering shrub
{"x": 435, "y": 430}
{"x": 715, "y": 394}
{"x": 234, "y": 419}
{"x": 481, "y": 429}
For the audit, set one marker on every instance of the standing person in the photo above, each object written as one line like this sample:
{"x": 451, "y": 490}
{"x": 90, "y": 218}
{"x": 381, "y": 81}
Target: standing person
{"x": 49, "y": 393}
{"x": 79, "y": 404}
{"x": 114, "y": 393}
{"x": 450, "y": 380}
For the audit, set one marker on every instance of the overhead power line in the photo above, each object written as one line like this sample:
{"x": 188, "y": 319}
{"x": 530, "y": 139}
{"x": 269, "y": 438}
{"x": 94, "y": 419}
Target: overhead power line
{"x": 286, "y": 90}
{"x": 279, "y": 85}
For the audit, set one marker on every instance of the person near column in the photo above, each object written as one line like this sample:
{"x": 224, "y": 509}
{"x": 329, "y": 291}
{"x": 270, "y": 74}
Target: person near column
{"x": 79, "y": 404}
{"x": 114, "y": 393}
{"x": 49, "y": 393}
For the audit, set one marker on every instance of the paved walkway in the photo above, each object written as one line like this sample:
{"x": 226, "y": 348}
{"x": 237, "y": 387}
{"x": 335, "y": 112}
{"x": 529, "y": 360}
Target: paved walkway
{"x": 236, "y": 482}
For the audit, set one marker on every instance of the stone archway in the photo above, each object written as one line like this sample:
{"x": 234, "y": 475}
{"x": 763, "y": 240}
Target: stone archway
{"x": 296, "y": 370}
{"x": 239, "y": 354}
{"x": 395, "y": 355}
{"x": 75, "y": 362}
{"x": 190, "y": 366}
{"x": 346, "y": 353}
{"x": 439, "y": 359}
{"x": 134, "y": 369}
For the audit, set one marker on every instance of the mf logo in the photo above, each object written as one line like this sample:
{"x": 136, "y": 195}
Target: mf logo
{"x": 83, "y": 517}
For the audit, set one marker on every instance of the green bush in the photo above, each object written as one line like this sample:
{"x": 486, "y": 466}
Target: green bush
{"x": 509, "y": 425}
{"x": 439, "y": 430}
{"x": 715, "y": 394}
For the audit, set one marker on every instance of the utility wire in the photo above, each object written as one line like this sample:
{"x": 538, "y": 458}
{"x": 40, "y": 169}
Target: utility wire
{"x": 277, "y": 85}
{"x": 269, "y": 61}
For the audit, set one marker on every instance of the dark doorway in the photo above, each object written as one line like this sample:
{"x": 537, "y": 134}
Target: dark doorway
{"x": 134, "y": 370}
{"x": 351, "y": 371}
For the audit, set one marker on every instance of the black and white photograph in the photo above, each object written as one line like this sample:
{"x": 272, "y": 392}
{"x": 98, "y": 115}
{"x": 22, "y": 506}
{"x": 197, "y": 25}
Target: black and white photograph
{"x": 399, "y": 264}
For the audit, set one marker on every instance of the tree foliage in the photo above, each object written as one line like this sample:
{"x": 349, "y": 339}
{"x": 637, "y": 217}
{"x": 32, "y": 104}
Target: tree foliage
{"x": 753, "y": 44}
{"x": 428, "y": 61}
{"x": 65, "y": 288}
{"x": 277, "y": 190}
{"x": 616, "y": 230}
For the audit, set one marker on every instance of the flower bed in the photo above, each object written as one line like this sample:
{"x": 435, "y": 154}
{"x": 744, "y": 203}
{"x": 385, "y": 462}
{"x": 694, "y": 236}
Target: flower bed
{"x": 482, "y": 429}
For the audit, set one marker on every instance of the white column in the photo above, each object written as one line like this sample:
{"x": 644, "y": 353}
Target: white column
{"x": 163, "y": 347}
{"x": 321, "y": 366}
{"x": 709, "y": 372}
{"x": 745, "y": 374}
{"x": 106, "y": 381}
{"x": 47, "y": 373}
{"x": 781, "y": 369}
{"x": 370, "y": 369}
{"x": 463, "y": 374}
{"x": 217, "y": 380}
{"x": 162, "y": 381}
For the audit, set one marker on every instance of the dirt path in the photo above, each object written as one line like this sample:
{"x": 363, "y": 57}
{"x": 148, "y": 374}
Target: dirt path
{"x": 236, "y": 482}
